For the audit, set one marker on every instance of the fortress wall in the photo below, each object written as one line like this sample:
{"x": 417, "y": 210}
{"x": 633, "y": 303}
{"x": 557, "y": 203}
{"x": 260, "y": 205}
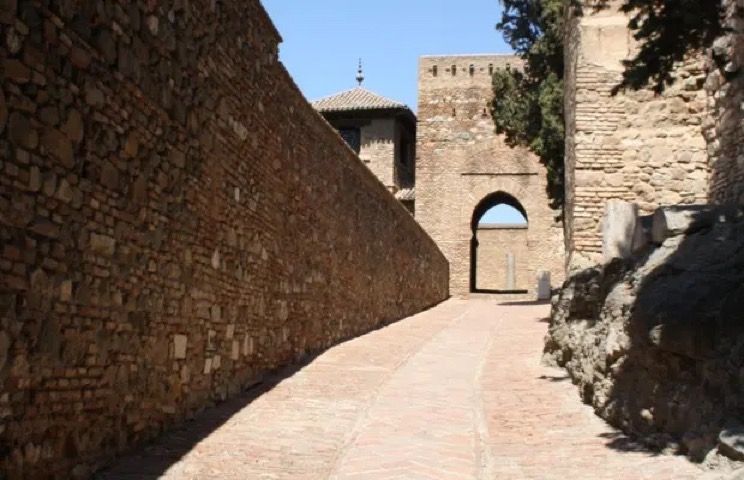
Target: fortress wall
{"x": 175, "y": 221}
{"x": 723, "y": 127}
{"x": 461, "y": 160}
{"x": 637, "y": 146}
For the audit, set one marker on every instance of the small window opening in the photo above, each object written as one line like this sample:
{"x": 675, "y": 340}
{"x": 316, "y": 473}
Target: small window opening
{"x": 472, "y": 70}
{"x": 353, "y": 137}
{"x": 434, "y": 70}
{"x": 454, "y": 70}
{"x": 490, "y": 68}
{"x": 454, "y": 112}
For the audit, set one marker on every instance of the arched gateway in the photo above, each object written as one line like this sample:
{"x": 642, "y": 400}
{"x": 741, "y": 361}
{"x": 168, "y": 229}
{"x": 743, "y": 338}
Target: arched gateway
{"x": 464, "y": 168}
{"x": 499, "y": 251}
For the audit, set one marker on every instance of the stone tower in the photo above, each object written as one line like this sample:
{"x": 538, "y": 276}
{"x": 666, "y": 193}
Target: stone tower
{"x": 464, "y": 168}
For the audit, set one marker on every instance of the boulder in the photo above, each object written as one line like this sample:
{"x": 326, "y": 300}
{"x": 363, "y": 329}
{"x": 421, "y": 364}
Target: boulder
{"x": 731, "y": 441}
{"x": 677, "y": 220}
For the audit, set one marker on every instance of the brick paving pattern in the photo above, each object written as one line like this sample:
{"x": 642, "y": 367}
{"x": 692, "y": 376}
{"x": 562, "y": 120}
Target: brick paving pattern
{"x": 456, "y": 392}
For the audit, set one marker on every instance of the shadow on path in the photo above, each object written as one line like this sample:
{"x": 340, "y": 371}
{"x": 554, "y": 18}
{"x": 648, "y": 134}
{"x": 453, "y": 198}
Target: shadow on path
{"x": 154, "y": 460}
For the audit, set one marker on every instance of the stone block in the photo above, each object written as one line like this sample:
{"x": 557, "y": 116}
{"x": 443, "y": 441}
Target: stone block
{"x": 678, "y": 220}
{"x": 642, "y": 234}
{"x": 208, "y": 366}
{"x": 73, "y": 126}
{"x": 179, "y": 346}
{"x": 16, "y": 71}
{"x": 3, "y": 111}
{"x": 731, "y": 441}
{"x": 110, "y": 176}
{"x": 65, "y": 291}
{"x": 102, "y": 244}
{"x": 618, "y": 229}
{"x": 59, "y": 146}
{"x": 21, "y": 132}
{"x": 544, "y": 290}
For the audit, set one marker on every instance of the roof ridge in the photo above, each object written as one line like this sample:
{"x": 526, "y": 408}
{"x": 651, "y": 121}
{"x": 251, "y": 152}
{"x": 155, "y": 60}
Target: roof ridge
{"x": 357, "y": 98}
{"x": 332, "y": 95}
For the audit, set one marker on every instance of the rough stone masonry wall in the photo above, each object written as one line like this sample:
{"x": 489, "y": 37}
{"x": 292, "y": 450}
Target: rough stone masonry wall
{"x": 723, "y": 126}
{"x": 378, "y": 149}
{"x": 655, "y": 343}
{"x": 461, "y": 160}
{"x": 634, "y": 146}
{"x": 175, "y": 220}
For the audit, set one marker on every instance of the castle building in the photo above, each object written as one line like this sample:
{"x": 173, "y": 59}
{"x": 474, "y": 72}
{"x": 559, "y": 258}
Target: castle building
{"x": 465, "y": 169}
{"x": 381, "y": 131}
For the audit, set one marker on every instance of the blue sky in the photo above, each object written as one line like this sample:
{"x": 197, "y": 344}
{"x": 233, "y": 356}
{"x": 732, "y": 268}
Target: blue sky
{"x": 323, "y": 40}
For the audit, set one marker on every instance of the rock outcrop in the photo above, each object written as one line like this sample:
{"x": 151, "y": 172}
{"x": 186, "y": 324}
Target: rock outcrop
{"x": 655, "y": 343}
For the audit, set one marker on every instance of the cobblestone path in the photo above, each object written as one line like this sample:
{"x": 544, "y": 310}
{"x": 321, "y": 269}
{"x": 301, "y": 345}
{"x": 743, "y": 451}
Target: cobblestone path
{"x": 456, "y": 392}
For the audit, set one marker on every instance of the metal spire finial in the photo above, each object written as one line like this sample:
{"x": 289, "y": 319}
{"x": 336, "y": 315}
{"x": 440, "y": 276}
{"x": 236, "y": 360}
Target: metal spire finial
{"x": 360, "y": 73}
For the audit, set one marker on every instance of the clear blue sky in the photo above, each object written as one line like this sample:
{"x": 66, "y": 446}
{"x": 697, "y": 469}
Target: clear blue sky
{"x": 323, "y": 40}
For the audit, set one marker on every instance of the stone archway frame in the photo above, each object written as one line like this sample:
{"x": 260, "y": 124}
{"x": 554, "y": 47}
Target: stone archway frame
{"x": 544, "y": 234}
{"x": 486, "y": 203}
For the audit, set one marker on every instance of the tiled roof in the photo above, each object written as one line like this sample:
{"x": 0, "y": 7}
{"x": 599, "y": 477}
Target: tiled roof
{"x": 406, "y": 194}
{"x": 355, "y": 99}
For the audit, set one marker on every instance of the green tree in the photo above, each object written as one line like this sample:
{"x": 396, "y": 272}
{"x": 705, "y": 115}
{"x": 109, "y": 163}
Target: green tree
{"x": 528, "y": 104}
{"x": 667, "y": 30}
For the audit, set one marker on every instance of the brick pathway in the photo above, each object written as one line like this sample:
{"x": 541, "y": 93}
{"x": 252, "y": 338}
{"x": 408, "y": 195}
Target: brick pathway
{"x": 456, "y": 392}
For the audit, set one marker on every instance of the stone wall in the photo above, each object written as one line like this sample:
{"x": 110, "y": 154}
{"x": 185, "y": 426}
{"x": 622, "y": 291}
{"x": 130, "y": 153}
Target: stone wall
{"x": 461, "y": 161}
{"x": 378, "y": 149}
{"x": 655, "y": 343}
{"x": 494, "y": 244}
{"x": 175, "y": 221}
{"x": 725, "y": 86}
{"x": 634, "y": 146}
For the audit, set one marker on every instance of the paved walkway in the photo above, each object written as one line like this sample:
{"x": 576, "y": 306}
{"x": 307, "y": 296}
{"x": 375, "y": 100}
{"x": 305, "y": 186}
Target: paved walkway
{"x": 456, "y": 392}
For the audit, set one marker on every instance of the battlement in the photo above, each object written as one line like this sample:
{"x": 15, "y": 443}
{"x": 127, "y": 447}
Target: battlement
{"x": 444, "y": 71}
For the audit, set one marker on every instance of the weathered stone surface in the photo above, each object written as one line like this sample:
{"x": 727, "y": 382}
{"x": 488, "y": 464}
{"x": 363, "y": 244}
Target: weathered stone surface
{"x": 3, "y": 111}
{"x": 93, "y": 96}
{"x": 544, "y": 290}
{"x": 102, "y": 244}
{"x": 179, "y": 346}
{"x": 618, "y": 229}
{"x": 109, "y": 175}
{"x": 731, "y": 441}
{"x": 16, "y": 71}
{"x": 20, "y": 131}
{"x": 58, "y": 146}
{"x": 635, "y": 146}
{"x": 45, "y": 228}
{"x": 722, "y": 128}
{"x": 662, "y": 328}
{"x": 463, "y": 165}
{"x": 672, "y": 221}
{"x": 65, "y": 291}
{"x": 34, "y": 179}
{"x": 4, "y": 346}
{"x": 73, "y": 126}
